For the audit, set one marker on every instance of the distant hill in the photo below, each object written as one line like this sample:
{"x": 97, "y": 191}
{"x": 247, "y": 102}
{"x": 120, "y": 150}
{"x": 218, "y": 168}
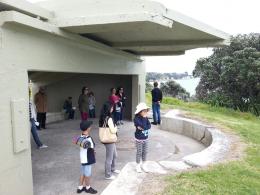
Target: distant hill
{"x": 154, "y": 76}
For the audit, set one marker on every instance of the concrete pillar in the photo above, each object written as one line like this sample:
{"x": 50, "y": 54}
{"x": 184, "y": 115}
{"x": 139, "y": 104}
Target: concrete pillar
{"x": 15, "y": 163}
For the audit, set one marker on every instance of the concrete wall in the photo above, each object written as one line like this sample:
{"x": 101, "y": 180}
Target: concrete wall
{"x": 217, "y": 143}
{"x": 23, "y": 49}
{"x": 99, "y": 84}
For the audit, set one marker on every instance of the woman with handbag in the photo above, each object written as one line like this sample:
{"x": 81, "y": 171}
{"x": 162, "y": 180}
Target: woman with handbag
{"x": 108, "y": 136}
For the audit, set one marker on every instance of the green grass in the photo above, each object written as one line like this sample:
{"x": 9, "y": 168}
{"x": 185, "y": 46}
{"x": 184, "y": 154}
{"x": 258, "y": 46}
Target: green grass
{"x": 237, "y": 177}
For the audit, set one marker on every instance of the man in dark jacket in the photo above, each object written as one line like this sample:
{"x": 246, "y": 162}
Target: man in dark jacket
{"x": 41, "y": 107}
{"x": 67, "y": 106}
{"x": 156, "y": 99}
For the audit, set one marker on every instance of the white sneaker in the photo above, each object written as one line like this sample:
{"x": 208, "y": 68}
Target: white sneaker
{"x": 110, "y": 178}
{"x": 138, "y": 168}
{"x": 43, "y": 146}
{"x": 116, "y": 171}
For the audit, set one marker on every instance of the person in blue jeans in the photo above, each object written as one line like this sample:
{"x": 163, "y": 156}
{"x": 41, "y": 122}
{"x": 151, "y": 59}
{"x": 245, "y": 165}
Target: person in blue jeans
{"x": 34, "y": 125}
{"x": 156, "y": 101}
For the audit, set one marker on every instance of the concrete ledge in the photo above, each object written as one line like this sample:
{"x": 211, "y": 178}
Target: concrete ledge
{"x": 54, "y": 117}
{"x": 216, "y": 142}
{"x": 175, "y": 165}
{"x": 214, "y": 153}
{"x": 126, "y": 183}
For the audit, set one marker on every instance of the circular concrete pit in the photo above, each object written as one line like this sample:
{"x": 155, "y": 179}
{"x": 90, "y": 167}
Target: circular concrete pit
{"x": 216, "y": 145}
{"x": 178, "y": 144}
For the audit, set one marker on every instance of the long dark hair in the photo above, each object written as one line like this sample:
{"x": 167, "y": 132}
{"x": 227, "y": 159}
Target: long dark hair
{"x": 105, "y": 112}
{"x": 83, "y": 89}
{"x": 118, "y": 89}
{"x": 111, "y": 90}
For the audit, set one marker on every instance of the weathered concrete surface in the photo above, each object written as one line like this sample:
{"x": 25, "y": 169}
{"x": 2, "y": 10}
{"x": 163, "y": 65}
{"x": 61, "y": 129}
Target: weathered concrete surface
{"x": 212, "y": 154}
{"x": 191, "y": 128}
{"x": 56, "y": 169}
{"x": 143, "y": 27}
{"x": 175, "y": 165}
{"x": 127, "y": 182}
{"x": 217, "y": 143}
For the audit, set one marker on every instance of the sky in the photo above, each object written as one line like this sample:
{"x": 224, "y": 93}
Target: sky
{"x": 230, "y": 16}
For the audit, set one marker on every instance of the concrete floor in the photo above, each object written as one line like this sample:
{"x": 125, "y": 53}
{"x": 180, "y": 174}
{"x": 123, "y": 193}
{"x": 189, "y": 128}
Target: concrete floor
{"x": 56, "y": 169}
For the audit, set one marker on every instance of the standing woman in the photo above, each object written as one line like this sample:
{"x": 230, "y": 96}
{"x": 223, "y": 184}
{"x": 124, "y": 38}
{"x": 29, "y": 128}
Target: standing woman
{"x": 122, "y": 99}
{"x": 83, "y": 103}
{"x": 114, "y": 100}
{"x": 92, "y": 105}
{"x": 111, "y": 153}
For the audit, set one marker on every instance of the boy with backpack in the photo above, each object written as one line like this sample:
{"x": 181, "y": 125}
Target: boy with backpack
{"x": 87, "y": 157}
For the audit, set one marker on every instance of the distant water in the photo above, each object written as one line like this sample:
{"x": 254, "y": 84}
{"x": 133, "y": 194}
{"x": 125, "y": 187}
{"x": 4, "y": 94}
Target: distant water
{"x": 189, "y": 84}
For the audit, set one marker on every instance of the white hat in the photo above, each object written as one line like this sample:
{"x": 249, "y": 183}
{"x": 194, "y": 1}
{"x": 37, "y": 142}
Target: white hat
{"x": 141, "y": 106}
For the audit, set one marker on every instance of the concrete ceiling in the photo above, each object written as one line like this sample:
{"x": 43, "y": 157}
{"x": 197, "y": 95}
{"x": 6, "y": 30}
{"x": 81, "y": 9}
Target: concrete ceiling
{"x": 140, "y": 27}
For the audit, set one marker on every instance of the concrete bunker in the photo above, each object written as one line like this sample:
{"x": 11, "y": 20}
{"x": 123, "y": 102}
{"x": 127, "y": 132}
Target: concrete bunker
{"x": 66, "y": 36}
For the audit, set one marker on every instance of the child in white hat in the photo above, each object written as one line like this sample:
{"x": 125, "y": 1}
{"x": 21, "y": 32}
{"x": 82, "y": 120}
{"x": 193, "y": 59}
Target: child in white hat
{"x": 143, "y": 126}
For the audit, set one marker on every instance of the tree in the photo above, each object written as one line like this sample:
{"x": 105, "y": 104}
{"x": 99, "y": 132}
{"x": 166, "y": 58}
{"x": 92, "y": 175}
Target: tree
{"x": 148, "y": 87}
{"x": 173, "y": 89}
{"x": 230, "y": 77}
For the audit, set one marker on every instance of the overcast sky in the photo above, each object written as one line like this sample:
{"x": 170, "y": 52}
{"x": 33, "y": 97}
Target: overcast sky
{"x": 230, "y": 16}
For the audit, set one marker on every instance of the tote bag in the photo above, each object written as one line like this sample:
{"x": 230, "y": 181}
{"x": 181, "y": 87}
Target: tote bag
{"x": 105, "y": 134}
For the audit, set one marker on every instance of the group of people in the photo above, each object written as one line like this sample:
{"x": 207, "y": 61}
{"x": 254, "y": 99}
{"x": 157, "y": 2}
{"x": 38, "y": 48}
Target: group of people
{"x": 87, "y": 104}
{"x": 87, "y": 154}
{"x": 111, "y": 116}
{"x": 118, "y": 99}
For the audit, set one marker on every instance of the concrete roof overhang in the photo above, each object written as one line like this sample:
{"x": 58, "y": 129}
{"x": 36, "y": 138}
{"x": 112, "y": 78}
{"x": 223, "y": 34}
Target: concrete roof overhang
{"x": 139, "y": 27}
{"x": 26, "y": 8}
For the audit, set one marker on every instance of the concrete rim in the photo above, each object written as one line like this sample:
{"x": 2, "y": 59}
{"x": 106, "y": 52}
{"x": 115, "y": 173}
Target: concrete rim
{"x": 217, "y": 146}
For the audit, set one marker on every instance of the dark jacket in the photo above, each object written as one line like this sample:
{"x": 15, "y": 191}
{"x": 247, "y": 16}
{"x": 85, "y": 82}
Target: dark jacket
{"x": 122, "y": 98}
{"x": 156, "y": 95}
{"x": 145, "y": 124}
{"x": 67, "y": 105}
{"x": 83, "y": 103}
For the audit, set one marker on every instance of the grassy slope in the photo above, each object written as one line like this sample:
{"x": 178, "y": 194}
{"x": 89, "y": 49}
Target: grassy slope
{"x": 239, "y": 177}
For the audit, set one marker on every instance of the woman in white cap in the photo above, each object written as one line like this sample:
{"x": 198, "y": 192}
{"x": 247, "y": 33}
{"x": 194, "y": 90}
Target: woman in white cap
{"x": 143, "y": 126}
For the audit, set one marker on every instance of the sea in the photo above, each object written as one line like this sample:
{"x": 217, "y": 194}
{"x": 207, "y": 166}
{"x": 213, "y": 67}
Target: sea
{"x": 189, "y": 84}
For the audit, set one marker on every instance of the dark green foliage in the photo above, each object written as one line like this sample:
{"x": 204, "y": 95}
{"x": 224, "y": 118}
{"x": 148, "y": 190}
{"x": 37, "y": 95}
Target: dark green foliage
{"x": 148, "y": 87}
{"x": 173, "y": 89}
{"x": 230, "y": 77}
